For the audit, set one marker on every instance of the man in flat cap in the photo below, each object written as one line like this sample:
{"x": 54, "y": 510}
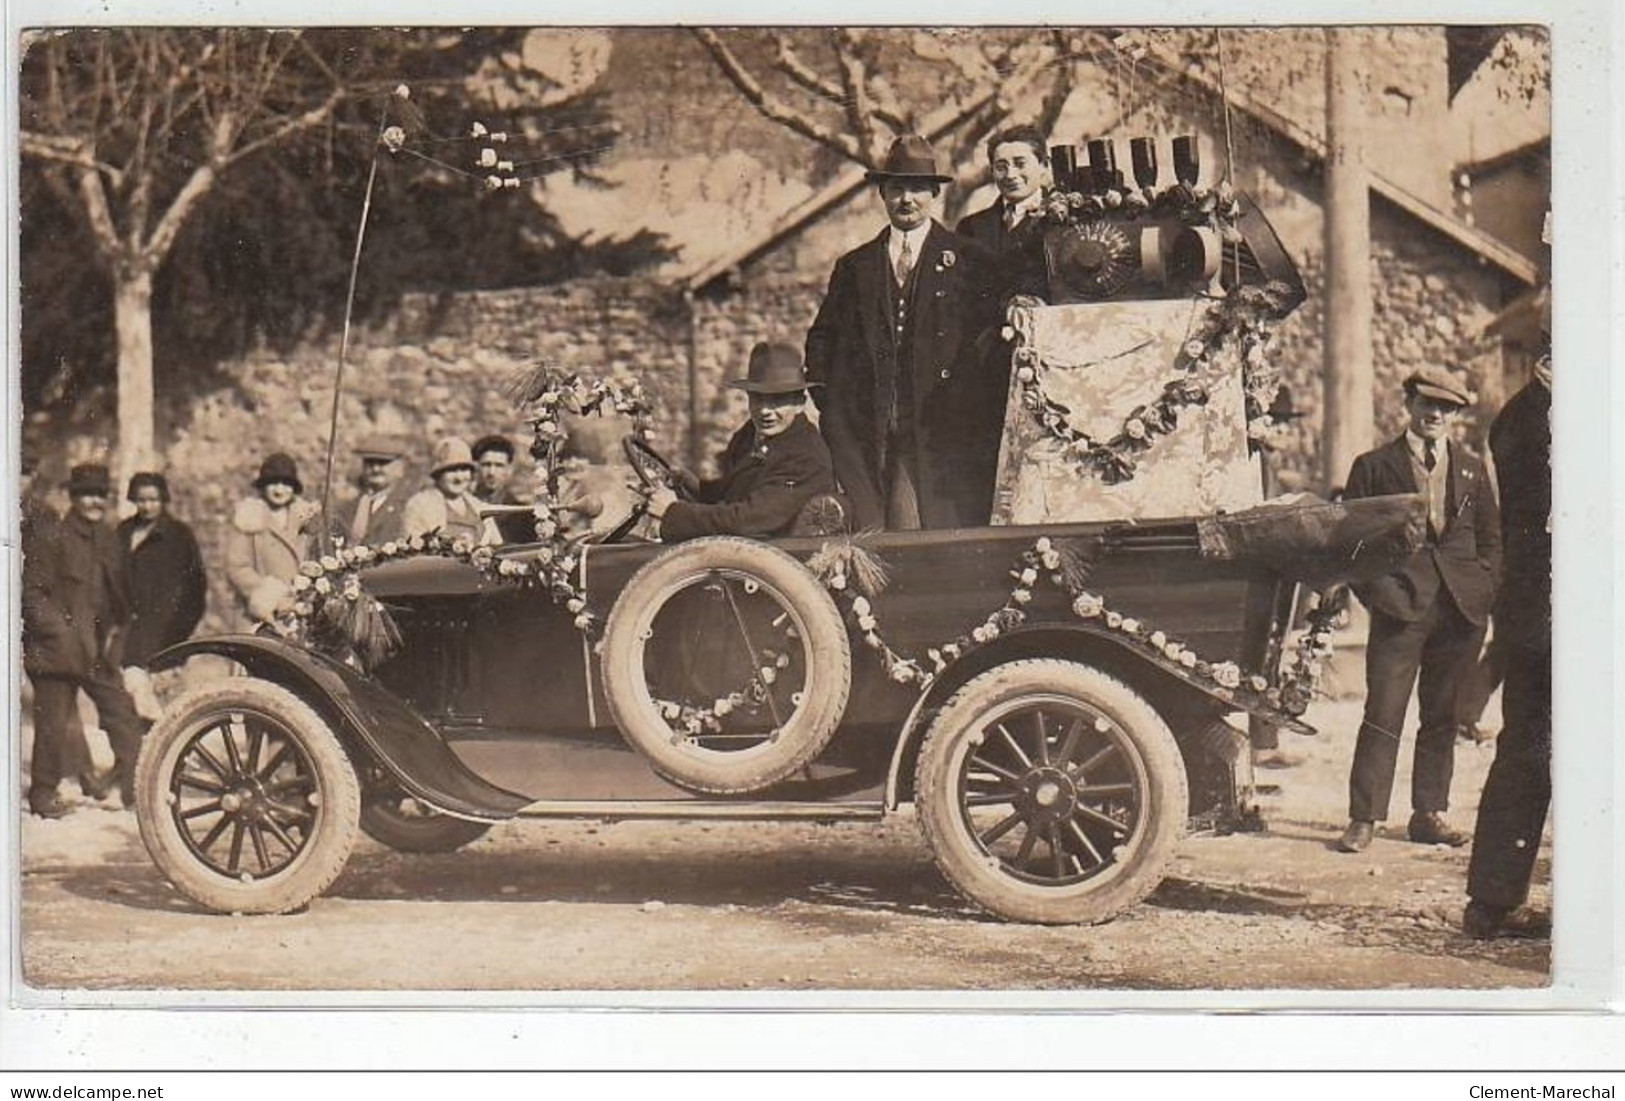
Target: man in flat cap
{"x": 771, "y": 468}
{"x": 912, "y": 423}
{"x": 377, "y": 517}
{"x": 75, "y": 609}
{"x": 1427, "y": 617}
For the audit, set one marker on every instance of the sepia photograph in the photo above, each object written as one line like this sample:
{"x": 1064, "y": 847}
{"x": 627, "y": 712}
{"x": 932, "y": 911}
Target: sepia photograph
{"x": 754, "y": 510}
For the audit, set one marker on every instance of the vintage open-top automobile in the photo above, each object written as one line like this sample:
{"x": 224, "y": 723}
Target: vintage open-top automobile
{"x": 1050, "y": 698}
{"x": 1054, "y": 752}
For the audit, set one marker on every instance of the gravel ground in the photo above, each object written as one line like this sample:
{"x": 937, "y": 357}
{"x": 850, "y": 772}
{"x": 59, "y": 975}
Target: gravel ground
{"x": 551, "y": 906}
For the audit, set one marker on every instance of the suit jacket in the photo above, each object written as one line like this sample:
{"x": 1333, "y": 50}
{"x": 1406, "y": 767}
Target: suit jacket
{"x": 955, "y": 410}
{"x": 1466, "y": 558}
{"x": 514, "y": 527}
{"x": 378, "y": 521}
{"x": 1521, "y": 441}
{"x": 1021, "y": 268}
{"x": 763, "y": 486}
{"x": 167, "y": 587}
{"x": 75, "y": 602}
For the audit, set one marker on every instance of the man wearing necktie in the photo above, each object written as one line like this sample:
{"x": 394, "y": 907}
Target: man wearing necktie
{"x": 377, "y": 516}
{"x": 1427, "y": 617}
{"x": 912, "y": 424}
{"x": 1012, "y": 227}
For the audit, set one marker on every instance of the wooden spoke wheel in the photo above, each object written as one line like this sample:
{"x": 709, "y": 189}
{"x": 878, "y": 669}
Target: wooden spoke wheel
{"x": 245, "y": 798}
{"x": 1050, "y": 792}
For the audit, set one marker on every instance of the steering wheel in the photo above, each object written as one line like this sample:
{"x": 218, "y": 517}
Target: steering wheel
{"x": 652, "y": 468}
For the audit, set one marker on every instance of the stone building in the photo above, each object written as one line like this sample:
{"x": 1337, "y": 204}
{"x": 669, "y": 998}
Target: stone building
{"x": 439, "y": 364}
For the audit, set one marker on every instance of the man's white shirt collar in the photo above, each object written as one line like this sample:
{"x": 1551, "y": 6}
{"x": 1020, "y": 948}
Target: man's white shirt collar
{"x": 1023, "y": 209}
{"x": 916, "y": 241}
{"x": 1418, "y": 448}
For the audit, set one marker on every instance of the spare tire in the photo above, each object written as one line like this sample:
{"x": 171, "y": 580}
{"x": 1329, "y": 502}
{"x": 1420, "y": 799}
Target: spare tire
{"x": 726, "y": 664}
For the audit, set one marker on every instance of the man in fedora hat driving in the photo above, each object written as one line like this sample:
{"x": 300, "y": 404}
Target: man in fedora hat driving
{"x": 912, "y": 424}
{"x": 1427, "y": 617}
{"x": 771, "y": 468}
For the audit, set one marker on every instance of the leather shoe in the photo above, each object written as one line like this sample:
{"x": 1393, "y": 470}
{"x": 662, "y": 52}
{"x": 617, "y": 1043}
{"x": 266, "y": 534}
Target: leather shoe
{"x": 98, "y": 785}
{"x": 49, "y": 805}
{"x": 1430, "y": 828}
{"x": 1482, "y": 921}
{"x": 1358, "y": 837}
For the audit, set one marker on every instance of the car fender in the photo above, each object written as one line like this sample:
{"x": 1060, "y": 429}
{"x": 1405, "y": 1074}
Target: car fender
{"x": 371, "y": 721}
{"x": 1079, "y": 642}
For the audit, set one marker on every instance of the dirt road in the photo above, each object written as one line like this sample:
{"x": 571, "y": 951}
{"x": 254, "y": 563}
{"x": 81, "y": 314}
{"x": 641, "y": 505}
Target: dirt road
{"x": 542, "y": 906}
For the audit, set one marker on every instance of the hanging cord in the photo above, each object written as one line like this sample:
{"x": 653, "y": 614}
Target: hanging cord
{"x": 344, "y": 339}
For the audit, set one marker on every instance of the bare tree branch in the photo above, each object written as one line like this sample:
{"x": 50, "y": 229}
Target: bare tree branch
{"x": 790, "y": 64}
{"x": 74, "y": 152}
{"x": 771, "y": 107}
{"x": 854, "y": 80}
{"x": 311, "y": 118}
{"x": 197, "y": 185}
{"x": 100, "y": 217}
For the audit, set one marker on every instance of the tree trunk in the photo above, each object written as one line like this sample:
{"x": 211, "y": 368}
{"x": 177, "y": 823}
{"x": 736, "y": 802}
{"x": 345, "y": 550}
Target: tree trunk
{"x": 1349, "y": 418}
{"x": 132, "y": 295}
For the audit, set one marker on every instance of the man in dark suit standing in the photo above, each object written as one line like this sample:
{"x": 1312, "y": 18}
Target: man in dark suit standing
{"x": 377, "y": 517}
{"x": 75, "y": 607}
{"x": 771, "y": 467}
{"x": 1512, "y": 810}
{"x": 1427, "y": 617}
{"x": 1012, "y": 228}
{"x": 913, "y": 425}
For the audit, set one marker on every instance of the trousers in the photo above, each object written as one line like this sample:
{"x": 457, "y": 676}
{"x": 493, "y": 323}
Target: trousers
{"x": 1518, "y": 791}
{"x": 1437, "y": 650}
{"x": 54, "y": 702}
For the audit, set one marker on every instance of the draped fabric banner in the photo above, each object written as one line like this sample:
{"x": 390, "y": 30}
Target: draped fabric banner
{"x": 1103, "y": 361}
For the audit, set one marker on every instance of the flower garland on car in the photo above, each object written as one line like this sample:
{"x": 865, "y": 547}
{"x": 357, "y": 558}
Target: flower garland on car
{"x": 847, "y": 571}
{"x": 1215, "y": 206}
{"x": 1233, "y": 334}
{"x": 1300, "y": 679}
{"x": 331, "y": 605}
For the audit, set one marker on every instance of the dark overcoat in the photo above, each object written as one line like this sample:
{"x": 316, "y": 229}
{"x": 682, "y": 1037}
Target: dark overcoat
{"x": 763, "y": 486}
{"x": 166, "y": 584}
{"x": 75, "y": 602}
{"x": 955, "y": 408}
{"x": 1521, "y": 441}
{"x": 1464, "y": 561}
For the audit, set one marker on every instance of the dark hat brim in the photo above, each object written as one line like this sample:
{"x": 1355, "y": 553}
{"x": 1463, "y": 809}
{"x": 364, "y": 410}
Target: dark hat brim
{"x": 877, "y": 175}
{"x": 261, "y": 483}
{"x": 786, "y": 387}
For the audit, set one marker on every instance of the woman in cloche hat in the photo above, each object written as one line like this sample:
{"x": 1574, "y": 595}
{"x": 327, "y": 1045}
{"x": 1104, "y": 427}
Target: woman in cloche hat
{"x": 271, "y": 533}
{"x": 449, "y": 505}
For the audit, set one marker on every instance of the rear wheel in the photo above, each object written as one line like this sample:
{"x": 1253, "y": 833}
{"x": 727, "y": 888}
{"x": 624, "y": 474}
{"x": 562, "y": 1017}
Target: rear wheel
{"x": 245, "y": 798}
{"x": 406, "y": 824}
{"x": 1050, "y": 792}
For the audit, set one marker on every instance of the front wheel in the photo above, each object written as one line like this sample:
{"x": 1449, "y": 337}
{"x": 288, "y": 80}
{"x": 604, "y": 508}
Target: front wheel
{"x": 245, "y": 798}
{"x": 1050, "y": 792}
